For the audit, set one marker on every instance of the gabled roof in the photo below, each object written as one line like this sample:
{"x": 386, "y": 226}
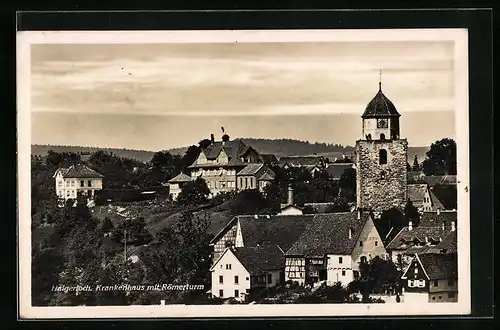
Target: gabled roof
{"x": 410, "y": 267}
{"x": 419, "y": 233}
{"x": 337, "y": 169}
{"x": 380, "y": 106}
{"x": 433, "y": 180}
{"x": 281, "y": 230}
{"x": 267, "y": 176}
{"x": 436, "y": 203}
{"x": 227, "y": 250}
{"x": 301, "y": 160}
{"x": 180, "y": 178}
{"x": 259, "y": 259}
{"x": 269, "y": 158}
{"x": 234, "y": 149}
{"x": 250, "y": 169}
{"x": 439, "y": 265}
{"x": 78, "y": 171}
{"x": 433, "y": 219}
{"x": 448, "y": 245}
{"x": 329, "y": 234}
{"x": 447, "y": 195}
{"x": 416, "y": 192}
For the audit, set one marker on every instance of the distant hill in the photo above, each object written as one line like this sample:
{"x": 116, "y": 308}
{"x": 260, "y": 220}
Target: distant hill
{"x": 140, "y": 155}
{"x": 281, "y": 147}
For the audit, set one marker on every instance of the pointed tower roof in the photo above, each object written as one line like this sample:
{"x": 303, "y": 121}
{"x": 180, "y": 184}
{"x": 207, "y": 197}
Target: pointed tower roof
{"x": 380, "y": 106}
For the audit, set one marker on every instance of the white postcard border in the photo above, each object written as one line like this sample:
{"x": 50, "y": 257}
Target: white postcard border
{"x": 27, "y": 38}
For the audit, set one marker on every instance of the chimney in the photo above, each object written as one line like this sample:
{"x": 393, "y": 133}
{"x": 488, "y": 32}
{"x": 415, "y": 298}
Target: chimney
{"x": 438, "y": 212}
{"x": 350, "y": 233}
{"x": 225, "y": 138}
{"x": 410, "y": 225}
{"x": 359, "y": 214}
{"x": 212, "y": 138}
{"x": 453, "y": 227}
{"x": 290, "y": 195}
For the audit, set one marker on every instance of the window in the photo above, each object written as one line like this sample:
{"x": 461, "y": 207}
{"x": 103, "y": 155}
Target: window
{"x": 82, "y": 184}
{"x": 248, "y": 278}
{"x": 382, "y": 156}
{"x": 236, "y": 293}
{"x": 451, "y": 282}
{"x": 228, "y": 266}
{"x": 248, "y": 290}
{"x": 251, "y": 182}
{"x": 356, "y": 274}
{"x": 246, "y": 182}
{"x": 416, "y": 270}
{"x": 382, "y": 136}
{"x": 376, "y": 243}
{"x": 221, "y": 293}
{"x": 440, "y": 297}
{"x": 236, "y": 280}
{"x": 89, "y": 183}
{"x": 360, "y": 243}
{"x": 269, "y": 278}
{"x": 382, "y": 123}
{"x": 221, "y": 279}
{"x": 433, "y": 298}
{"x": 340, "y": 260}
{"x": 436, "y": 283}
{"x": 343, "y": 272}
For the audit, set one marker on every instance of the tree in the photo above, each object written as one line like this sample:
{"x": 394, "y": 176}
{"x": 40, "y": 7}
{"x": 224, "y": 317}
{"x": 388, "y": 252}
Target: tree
{"x": 411, "y": 213}
{"x": 249, "y": 201}
{"x": 135, "y": 229}
{"x": 347, "y": 184}
{"x": 190, "y": 156}
{"x": 107, "y": 226}
{"x": 416, "y": 164}
{"x": 194, "y": 193}
{"x": 441, "y": 158}
{"x": 46, "y": 267}
{"x": 204, "y": 143}
{"x": 376, "y": 276}
{"x": 393, "y": 219}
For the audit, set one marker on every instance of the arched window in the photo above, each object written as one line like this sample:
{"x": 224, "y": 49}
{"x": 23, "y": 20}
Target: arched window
{"x": 382, "y": 136}
{"x": 382, "y": 156}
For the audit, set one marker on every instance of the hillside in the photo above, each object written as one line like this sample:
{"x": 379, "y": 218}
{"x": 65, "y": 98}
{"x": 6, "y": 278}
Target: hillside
{"x": 140, "y": 155}
{"x": 282, "y": 147}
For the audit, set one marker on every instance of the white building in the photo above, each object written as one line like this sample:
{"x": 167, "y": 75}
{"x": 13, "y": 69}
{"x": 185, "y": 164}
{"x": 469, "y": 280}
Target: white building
{"x": 332, "y": 247}
{"x": 176, "y": 183}
{"x": 75, "y": 180}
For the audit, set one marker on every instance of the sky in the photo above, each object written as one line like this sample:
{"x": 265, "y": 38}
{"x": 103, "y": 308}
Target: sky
{"x": 161, "y": 96}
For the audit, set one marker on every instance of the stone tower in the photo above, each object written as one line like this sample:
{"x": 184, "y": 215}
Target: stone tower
{"x": 381, "y": 157}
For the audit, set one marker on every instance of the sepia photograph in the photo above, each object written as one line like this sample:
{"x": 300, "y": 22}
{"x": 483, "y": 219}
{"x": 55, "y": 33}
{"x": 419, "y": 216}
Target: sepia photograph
{"x": 243, "y": 173}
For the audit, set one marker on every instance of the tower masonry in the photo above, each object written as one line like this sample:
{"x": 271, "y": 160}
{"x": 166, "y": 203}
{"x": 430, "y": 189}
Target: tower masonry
{"x": 381, "y": 158}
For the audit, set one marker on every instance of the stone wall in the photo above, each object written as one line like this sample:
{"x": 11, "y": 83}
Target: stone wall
{"x": 373, "y": 190}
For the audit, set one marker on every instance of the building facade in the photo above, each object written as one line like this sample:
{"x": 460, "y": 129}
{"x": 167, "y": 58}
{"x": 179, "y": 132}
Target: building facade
{"x": 381, "y": 157}
{"x": 332, "y": 248}
{"x": 77, "y": 180}
{"x": 175, "y": 184}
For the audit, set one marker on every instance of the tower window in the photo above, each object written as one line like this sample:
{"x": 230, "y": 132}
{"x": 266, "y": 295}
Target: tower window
{"x": 382, "y": 156}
